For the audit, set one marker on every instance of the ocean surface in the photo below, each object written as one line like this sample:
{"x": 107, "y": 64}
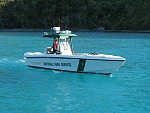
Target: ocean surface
{"x": 29, "y": 90}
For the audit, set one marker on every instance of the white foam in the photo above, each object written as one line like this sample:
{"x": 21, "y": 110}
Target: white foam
{"x": 57, "y": 71}
{"x": 4, "y": 60}
{"x": 21, "y": 60}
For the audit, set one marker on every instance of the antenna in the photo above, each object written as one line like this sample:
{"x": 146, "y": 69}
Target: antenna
{"x": 59, "y": 21}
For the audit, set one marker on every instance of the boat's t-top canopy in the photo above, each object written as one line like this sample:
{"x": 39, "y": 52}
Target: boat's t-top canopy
{"x": 63, "y": 39}
{"x": 56, "y": 33}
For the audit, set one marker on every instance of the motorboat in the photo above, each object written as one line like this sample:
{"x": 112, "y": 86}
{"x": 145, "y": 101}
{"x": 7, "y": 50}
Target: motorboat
{"x": 65, "y": 59}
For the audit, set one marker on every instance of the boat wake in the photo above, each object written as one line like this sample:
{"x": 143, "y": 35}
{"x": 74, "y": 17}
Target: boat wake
{"x": 57, "y": 72}
{"x": 6, "y": 60}
{"x": 3, "y": 60}
{"x": 21, "y": 60}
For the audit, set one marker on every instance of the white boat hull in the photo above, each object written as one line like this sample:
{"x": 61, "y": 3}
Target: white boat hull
{"x": 83, "y": 63}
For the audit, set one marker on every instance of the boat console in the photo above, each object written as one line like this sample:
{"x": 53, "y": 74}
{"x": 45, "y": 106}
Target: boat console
{"x": 64, "y": 46}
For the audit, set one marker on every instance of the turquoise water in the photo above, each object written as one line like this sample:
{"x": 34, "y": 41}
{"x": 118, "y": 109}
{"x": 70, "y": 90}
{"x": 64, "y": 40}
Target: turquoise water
{"x": 29, "y": 90}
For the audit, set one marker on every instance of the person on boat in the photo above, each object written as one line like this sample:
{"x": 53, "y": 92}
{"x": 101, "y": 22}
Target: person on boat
{"x": 53, "y": 49}
{"x": 55, "y": 44}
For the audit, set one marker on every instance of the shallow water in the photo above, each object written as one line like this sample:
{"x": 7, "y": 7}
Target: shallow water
{"x": 25, "y": 89}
